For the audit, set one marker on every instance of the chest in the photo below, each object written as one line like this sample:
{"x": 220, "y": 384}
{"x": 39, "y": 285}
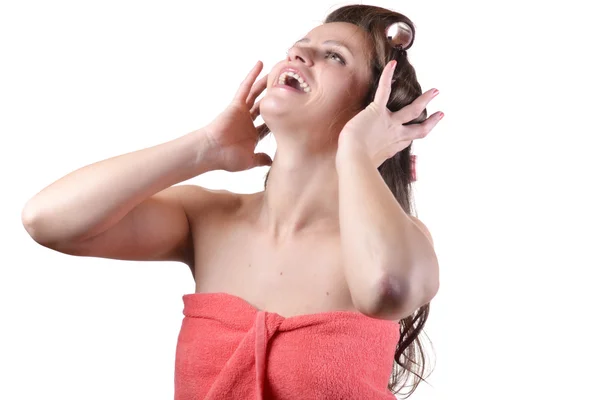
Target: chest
{"x": 302, "y": 276}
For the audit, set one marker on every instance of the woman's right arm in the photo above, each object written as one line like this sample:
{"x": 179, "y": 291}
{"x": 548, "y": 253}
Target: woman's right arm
{"x": 125, "y": 207}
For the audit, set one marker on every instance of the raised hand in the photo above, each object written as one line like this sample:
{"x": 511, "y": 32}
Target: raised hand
{"x": 381, "y": 132}
{"x": 232, "y": 134}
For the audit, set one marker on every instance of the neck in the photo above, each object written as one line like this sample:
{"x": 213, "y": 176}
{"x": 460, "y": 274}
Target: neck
{"x": 301, "y": 194}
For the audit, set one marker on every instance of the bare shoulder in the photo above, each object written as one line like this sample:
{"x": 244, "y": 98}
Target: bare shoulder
{"x": 197, "y": 200}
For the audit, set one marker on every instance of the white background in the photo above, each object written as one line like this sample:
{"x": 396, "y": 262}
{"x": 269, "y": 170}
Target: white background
{"x": 507, "y": 184}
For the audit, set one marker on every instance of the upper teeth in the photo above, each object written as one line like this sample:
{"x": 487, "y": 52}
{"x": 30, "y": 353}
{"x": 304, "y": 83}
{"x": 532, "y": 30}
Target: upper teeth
{"x": 303, "y": 84}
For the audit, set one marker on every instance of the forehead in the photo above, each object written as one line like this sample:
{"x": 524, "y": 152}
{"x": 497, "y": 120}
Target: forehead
{"x": 351, "y": 35}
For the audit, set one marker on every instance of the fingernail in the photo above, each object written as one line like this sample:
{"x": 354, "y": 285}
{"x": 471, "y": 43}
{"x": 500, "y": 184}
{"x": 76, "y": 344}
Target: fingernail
{"x": 441, "y": 115}
{"x": 436, "y": 92}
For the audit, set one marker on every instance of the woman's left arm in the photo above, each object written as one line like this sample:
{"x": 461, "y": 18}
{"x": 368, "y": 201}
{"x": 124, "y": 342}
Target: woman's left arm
{"x": 389, "y": 261}
{"x": 390, "y": 264}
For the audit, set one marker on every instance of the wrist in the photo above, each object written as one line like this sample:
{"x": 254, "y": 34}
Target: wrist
{"x": 205, "y": 152}
{"x": 350, "y": 146}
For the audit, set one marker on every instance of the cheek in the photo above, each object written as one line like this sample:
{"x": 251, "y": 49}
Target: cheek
{"x": 339, "y": 87}
{"x": 351, "y": 92}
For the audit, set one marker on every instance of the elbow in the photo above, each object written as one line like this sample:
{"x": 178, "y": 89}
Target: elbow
{"x": 36, "y": 225}
{"x": 396, "y": 299}
{"x": 29, "y": 218}
{"x": 384, "y": 299}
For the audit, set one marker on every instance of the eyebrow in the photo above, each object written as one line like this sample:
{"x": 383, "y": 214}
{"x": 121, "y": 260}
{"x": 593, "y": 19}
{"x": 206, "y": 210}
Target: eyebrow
{"x": 335, "y": 42}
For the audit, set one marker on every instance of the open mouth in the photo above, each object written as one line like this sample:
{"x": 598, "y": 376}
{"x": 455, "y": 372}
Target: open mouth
{"x": 294, "y": 81}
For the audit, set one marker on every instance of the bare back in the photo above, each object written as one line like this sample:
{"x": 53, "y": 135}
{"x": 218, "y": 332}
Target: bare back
{"x": 231, "y": 256}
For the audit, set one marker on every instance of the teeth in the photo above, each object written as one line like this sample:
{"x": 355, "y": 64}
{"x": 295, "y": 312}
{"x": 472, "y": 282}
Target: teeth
{"x": 303, "y": 84}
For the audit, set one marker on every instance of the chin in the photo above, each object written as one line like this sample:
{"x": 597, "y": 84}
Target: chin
{"x": 274, "y": 109}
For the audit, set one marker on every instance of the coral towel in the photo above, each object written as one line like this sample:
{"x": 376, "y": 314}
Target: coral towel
{"x": 227, "y": 349}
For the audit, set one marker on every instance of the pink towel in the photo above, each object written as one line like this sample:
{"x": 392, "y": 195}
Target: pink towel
{"x": 227, "y": 349}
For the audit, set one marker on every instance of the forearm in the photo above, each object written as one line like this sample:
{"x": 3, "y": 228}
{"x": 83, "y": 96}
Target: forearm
{"x": 381, "y": 245}
{"x": 92, "y": 198}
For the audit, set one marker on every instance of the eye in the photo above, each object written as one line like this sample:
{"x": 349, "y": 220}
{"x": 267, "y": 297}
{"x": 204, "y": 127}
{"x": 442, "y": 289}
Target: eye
{"x": 333, "y": 53}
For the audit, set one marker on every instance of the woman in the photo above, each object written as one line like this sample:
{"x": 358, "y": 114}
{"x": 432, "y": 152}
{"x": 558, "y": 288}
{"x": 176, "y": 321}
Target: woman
{"x": 325, "y": 258}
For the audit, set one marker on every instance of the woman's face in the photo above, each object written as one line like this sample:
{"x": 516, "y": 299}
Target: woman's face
{"x": 332, "y": 62}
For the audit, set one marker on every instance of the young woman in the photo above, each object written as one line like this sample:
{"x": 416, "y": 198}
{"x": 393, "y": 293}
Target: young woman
{"x": 314, "y": 286}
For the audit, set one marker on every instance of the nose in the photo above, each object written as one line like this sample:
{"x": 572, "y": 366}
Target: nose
{"x": 300, "y": 54}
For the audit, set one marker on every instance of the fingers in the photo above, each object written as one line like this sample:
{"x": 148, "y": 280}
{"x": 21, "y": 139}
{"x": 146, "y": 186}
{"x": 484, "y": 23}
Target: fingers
{"x": 382, "y": 95}
{"x": 246, "y": 85}
{"x": 418, "y": 131}
{"x": 262, "y": 131}
{"x": 257, "y": 89}
{"x": 262, "y": 159}
{"x": 414, "y": 109}
{"x": 255, "y": 110}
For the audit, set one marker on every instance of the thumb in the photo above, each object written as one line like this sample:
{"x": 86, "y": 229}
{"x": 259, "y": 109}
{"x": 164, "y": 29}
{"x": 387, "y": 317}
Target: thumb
{"x": 262, "y": 159}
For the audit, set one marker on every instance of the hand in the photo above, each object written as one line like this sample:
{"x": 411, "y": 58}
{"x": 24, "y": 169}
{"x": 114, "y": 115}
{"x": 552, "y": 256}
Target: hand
{"x": 232, "y": 135}
{"x": 379, "y": 131}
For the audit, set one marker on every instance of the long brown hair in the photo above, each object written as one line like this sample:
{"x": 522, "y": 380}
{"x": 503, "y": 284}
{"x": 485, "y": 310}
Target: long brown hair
{"x": 397, "y": 170}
